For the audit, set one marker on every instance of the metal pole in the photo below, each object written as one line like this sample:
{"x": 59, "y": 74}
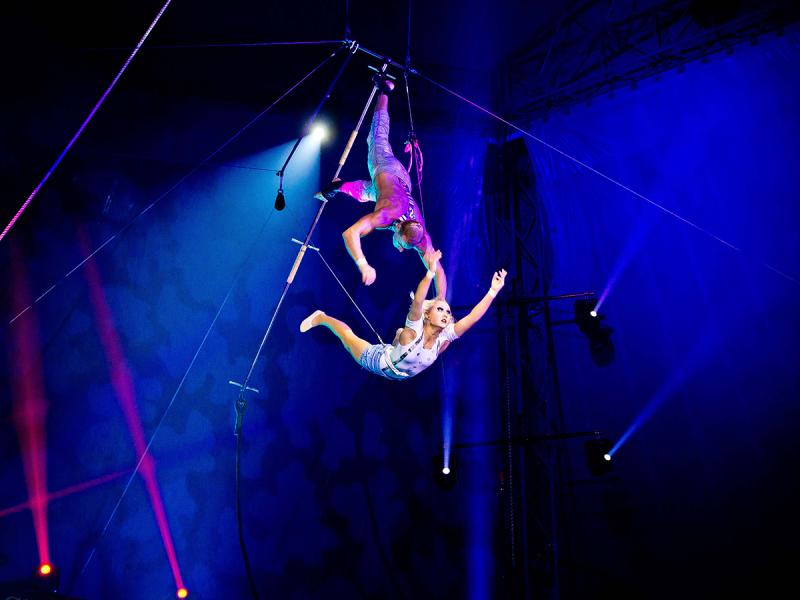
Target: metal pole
{"x": 241, "y": 401}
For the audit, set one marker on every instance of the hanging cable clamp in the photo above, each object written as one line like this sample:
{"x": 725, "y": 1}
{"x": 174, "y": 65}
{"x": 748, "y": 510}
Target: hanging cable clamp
{"x": 382, "y": 70}
{"x": 296, "y": 241}
{"x": 246, "y": 389}
{"x": 241, "y": 404}
{"x": 353, "y": 45}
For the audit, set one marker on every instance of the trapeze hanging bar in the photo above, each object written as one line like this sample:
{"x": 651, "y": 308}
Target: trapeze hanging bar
{"x": 322, "y": 205}
{"x": 241, "y": 401}
{"x": 354, "y": 133}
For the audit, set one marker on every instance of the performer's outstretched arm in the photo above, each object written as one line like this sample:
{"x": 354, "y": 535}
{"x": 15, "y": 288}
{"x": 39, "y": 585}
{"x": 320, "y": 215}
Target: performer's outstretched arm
{"x": 415, "y": 312}
{"x": 463, "y": 325}
{"x": 352, "y": 240}
{"x": 425, "y": 252}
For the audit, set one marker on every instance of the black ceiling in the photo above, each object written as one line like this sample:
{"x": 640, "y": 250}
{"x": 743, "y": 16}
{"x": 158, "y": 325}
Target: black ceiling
{"x": 460, "y": 42}
{"x": 61, "y": 56}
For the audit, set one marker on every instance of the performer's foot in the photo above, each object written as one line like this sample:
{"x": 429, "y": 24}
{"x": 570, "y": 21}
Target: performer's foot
{"x": 310, "y": 321}
{"x": 329, "y": 191}
{"x": 383, "y": 83}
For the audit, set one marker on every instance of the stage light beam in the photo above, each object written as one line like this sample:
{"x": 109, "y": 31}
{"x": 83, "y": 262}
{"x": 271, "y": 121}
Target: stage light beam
{"x": 45, "y": 569}
{"x": 29, "y": 407}
{"x": 182, "y": 593}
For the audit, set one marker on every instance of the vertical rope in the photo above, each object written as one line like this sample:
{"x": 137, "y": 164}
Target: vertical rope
{"x": 416, "y": 152}
{"x": 408, "y": 36}
{"x": 510, "y": 457}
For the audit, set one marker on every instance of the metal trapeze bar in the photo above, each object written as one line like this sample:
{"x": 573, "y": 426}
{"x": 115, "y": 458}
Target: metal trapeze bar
{"x": 296, "y": 241}
{"x": 388, "y": 61}
{"x": 241, "y": 387}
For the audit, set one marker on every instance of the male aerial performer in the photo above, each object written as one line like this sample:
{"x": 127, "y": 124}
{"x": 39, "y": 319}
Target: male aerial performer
{"x": 390, "y": 190}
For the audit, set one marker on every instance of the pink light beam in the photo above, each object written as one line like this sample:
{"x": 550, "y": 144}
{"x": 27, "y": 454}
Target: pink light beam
{"x": 122, "y": 382}
{"x": 67, "y": 491}
{"x": 29, "y": 412}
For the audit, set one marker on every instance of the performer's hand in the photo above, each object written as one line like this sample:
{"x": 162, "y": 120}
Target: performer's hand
{"x": 329, "y": 191}
{"x": 433, "y": 260}
{"x": 368, "y": 274}
{"x": 499, "y": 280}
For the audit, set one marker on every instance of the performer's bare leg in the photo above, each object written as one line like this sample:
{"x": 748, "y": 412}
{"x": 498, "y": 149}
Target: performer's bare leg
{"x": 352, "y": 343}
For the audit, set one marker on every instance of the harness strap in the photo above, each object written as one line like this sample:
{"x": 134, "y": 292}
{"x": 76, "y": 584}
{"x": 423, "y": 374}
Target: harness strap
{"x": 392, "y": 365}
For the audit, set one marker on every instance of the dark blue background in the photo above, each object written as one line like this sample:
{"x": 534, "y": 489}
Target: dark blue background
{"x": 338, "y": 494}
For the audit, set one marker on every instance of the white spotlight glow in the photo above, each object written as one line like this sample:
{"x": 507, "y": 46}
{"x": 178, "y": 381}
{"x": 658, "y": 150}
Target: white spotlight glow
{"x": 607, "y": 456}
{"x": 446, "y": 470}
{"x": 319, "y": 132}
{"x": 593, "y": 313}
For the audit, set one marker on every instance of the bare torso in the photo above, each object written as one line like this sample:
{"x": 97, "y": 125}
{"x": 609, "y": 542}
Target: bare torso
{"x": 393, "y": 197}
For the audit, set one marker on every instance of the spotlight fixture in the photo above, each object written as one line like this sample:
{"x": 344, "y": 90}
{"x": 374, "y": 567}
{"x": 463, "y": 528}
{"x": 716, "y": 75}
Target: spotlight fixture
{"x": 319, "y": 132}
{"x": 182, "y": 593}
{"x": 47, "y": 577}
{"x": 445, "y": 477}
{"x": 280, "y": 200}
{"x": 591, "y": 325}
{"x": 598, "y": 459}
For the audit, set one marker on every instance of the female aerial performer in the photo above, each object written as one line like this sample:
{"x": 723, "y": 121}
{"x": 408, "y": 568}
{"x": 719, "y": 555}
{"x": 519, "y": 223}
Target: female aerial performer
{"x": 428, "y": 331}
